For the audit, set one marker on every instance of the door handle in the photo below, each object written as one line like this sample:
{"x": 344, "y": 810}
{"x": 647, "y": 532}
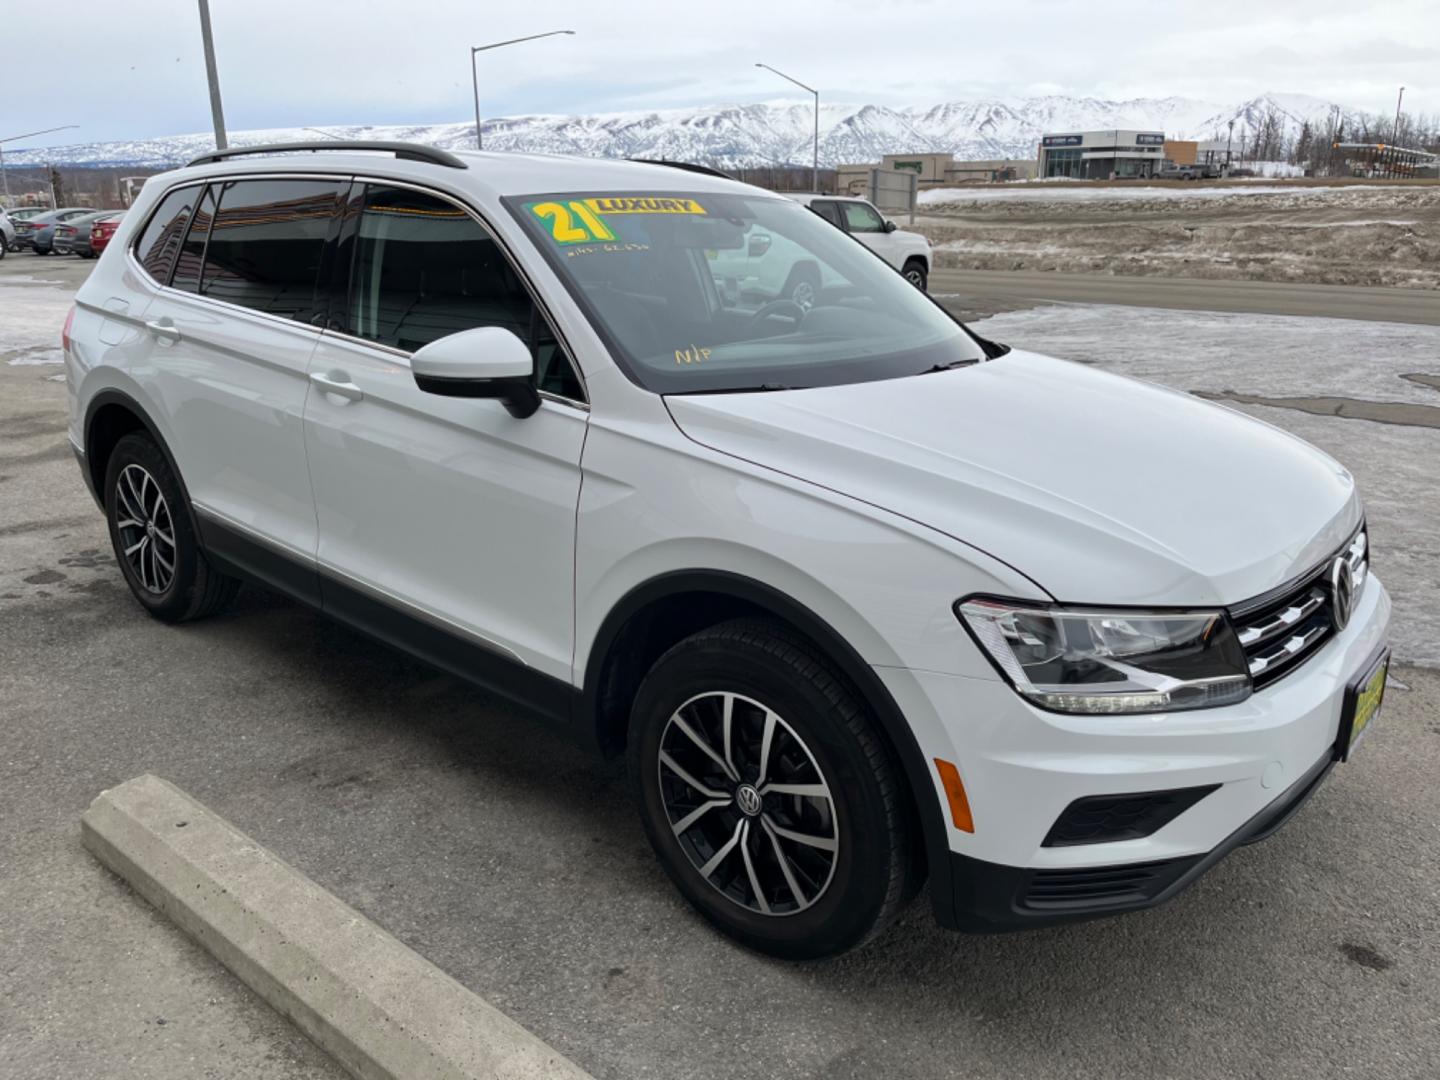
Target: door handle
{"x": 338, "y": 383}
{"x": 164, "y": 329}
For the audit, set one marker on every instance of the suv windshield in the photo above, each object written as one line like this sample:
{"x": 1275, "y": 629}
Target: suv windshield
{"x": 707, "y": 292}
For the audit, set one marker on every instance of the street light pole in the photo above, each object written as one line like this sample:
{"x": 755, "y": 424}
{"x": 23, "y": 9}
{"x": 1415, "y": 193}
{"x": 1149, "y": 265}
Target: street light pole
{"x": 216, "y": 112}
{"x": 815, "y": 161}
{"x": 1229, "y": 138}
{"x": 4, "y": 176}
{"x": 475, "y": 78}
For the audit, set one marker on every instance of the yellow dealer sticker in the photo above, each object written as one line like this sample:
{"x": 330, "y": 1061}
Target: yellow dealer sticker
{"x": 578, "y": 221}
{"x": 627, "y": 204}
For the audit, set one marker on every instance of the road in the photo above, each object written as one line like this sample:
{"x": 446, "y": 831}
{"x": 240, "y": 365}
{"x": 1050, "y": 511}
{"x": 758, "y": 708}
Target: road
{"x": 517, "y": 864}
{"x": 989, "y": 291}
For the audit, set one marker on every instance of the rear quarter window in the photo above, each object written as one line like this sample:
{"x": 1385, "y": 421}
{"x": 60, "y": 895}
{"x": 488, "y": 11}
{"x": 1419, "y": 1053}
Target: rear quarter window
{"x": 161, "y": 239}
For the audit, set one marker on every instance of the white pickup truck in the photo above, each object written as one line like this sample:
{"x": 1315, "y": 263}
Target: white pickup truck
{"x": 769, "y": 267}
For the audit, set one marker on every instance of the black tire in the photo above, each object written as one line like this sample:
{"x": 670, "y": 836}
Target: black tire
{"x": 193, "y": 588}
{"x": 827, "y": 731}
{"x": 915, "y": 273}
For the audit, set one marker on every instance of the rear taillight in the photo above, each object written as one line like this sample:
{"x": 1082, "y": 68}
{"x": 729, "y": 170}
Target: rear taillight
{"x": 65, "y": 333}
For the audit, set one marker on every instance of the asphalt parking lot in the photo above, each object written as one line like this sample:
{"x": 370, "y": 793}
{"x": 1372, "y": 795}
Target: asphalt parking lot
{"x": 517, "y": 864}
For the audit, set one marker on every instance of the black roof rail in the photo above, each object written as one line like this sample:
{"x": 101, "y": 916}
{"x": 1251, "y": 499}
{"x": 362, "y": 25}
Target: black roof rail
{"x": 688, "y": 166}
{"x": 403, "y": 151}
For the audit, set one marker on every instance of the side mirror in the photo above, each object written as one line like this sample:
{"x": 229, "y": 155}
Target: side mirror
{"x": 890, "y": 226}
{"x": 486, "y": 362}
{"x": 759, "y": 245}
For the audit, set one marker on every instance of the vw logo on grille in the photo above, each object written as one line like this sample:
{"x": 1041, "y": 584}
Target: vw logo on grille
{"x": 748, "y": 800}
{"x": 1342, "y": 592}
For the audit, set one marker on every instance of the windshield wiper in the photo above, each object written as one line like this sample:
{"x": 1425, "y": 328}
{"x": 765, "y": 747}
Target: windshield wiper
{"x": 951, "y": 366}
{"x": 768, "y": 387}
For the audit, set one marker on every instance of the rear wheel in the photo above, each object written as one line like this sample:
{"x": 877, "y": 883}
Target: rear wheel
{"x": 155, "y": 543}
{"x": 915, "y": 273}
{"x": 767, "y": 792}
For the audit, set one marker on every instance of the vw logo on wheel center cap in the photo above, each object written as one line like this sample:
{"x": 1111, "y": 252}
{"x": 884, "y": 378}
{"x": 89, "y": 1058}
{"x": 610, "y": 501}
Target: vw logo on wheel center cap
{"x": 747, "y": 798}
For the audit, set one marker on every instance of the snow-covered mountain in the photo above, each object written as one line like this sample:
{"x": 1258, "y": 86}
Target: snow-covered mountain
{"x": 769, "y": 133}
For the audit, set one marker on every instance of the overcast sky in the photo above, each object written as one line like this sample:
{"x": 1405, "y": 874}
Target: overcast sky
{"x": 136, "y": 69}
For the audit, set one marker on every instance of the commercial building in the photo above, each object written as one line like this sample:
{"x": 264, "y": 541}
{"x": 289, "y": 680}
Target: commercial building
{"x": 933, "y": 170}
{"x": 1098, "y": 155}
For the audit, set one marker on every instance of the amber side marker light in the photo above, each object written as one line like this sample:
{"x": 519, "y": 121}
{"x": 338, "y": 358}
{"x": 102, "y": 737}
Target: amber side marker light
{"x": 955, "y": 793}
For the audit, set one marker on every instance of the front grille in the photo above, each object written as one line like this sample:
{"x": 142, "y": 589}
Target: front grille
{"x": 1282, "y": 629}
{"x": 1100, "y": 819}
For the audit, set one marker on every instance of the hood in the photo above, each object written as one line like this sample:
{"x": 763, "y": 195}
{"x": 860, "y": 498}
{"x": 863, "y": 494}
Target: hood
{"x": 1099, "y": 488}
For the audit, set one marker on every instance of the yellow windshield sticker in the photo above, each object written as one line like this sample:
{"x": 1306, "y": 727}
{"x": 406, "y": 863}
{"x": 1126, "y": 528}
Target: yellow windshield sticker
{"x": 578, "y": 221}
{"x": 642, "y": 205}
{"x": 572, "y": 222}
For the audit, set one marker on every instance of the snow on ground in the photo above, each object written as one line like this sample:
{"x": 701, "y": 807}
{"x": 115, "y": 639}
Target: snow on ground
{"x": 31, "y": 319}
{"x": 1308, "y": 369}
{"x": 1126, "y": 194}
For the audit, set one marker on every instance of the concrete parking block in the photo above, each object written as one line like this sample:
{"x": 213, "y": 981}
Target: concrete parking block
{"x": 380, "y": 1009}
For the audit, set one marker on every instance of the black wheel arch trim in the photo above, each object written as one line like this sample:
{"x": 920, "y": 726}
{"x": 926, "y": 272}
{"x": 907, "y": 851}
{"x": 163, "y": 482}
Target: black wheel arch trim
{"x": 119, "y": 397}
{"x": 915, "y": 766}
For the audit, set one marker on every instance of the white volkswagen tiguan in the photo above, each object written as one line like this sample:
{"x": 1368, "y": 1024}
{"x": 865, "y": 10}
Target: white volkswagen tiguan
{"x": 865, "y": 599}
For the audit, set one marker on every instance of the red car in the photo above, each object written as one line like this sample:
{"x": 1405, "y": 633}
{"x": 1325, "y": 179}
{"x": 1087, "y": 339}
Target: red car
{"x": 102, "y": 230}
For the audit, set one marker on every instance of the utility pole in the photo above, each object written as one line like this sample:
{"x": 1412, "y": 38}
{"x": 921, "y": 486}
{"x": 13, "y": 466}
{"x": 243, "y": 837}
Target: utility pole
{"x": 216, "y": 112}
{"x": 1395, "y": 138}
{"x": 475, "y": 78}
{"x": 1229, "y": 138}
{"x": 815, "y": 161}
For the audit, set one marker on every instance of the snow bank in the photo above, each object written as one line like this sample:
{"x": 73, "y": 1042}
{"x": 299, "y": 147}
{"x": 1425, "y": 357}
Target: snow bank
{"x": 1073, "y": 191}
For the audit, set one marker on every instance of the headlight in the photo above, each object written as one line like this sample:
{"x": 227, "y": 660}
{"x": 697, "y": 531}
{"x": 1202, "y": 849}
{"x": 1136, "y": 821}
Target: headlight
{"x": 1118, "y": 661}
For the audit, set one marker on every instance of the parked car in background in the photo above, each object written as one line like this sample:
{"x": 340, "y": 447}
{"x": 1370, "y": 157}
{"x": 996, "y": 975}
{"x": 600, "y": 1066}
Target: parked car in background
{"x": 907, "y": 252}
{"x": 7, "y": 233}
{"x": 102, "y": 230}
{"x": 38, "y": 233}
{"x": 24, "y": 213}
{"x": 73, "y": 237}
{"x": 770, "y": 268}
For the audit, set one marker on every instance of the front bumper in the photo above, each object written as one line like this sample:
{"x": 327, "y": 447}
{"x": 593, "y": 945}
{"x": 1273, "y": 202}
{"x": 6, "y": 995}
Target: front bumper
{"x": 989, "y": 897}
{"x": 1022, "y": 767}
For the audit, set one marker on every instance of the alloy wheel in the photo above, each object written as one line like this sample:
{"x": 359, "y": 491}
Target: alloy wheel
{"x": 747, "y": 803}
{"x": 147, "y": 531}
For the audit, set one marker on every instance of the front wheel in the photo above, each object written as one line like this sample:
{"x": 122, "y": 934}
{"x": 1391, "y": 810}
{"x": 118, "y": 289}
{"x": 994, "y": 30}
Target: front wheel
{"x": 915, "y": 273}
{"x": 768, "y": 793}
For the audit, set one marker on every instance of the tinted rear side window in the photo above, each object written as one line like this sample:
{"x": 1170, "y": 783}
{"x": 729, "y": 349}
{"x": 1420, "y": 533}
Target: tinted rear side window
{"x": 266, "y": 243}
{"x": 192, "y": 251}
{"x": 161, "y": 238}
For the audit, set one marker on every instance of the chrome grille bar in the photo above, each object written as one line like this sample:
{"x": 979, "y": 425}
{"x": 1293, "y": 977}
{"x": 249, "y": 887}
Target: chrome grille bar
{"x": 1282, "y": 620}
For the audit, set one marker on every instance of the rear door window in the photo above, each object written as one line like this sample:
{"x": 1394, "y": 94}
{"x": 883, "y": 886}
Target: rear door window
{"x": 827, "y": 210}
{"x": 163, "y": 233}
{"x": 266, "y": 244}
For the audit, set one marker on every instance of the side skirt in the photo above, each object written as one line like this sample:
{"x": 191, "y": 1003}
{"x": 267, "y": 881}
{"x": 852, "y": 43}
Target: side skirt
{"x": 241, "y": 555}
